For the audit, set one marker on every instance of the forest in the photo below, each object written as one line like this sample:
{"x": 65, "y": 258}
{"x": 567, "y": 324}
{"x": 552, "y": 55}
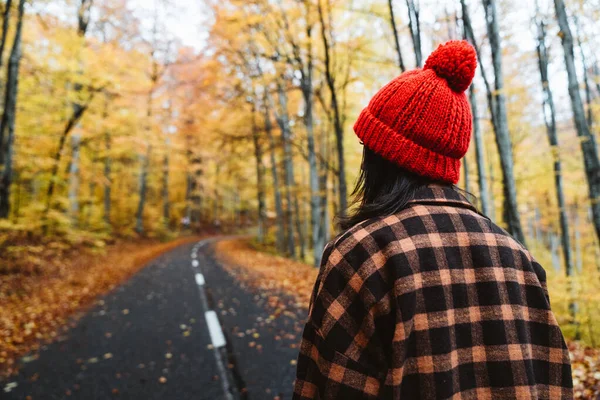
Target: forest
{"x": 113, "y": 128}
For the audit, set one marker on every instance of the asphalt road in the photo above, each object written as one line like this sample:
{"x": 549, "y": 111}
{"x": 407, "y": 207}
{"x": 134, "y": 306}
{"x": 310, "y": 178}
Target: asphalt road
{"x": 182, "y": 328}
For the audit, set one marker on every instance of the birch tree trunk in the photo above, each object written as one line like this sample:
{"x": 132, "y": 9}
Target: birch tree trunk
{"x": 298, "y": 224}
{"x": 414, "y": 25}
{"x": 260, "y": 176}
{"x": 491, "y": 107}
{"x": 145, "y": 159}
{"x": 79, "y": 109}
{"x": 323, "y": 181}
{"x": 74, "y": 178}
{"x": 550, "y": 121}
{"x": 107, "y": 177}
{"x": 5, "y": 24}
{"x": 396, "y": 38}
{"x": 503, "y": 139}
{"x": 283, "y": 121}
{"x": 165, "y": 186}
{"x": 89, "y": 206}
{"x": 315, "y": 206}
{"x": 578, "y": 246}
{"x": 9, "y": 116}
{"x": 337, "y": 117}
{"x": 586, "y": 80}
{"x": 588, "y": 142}
{"x": 302, "y": 60}
{"x": 480, "y": 155}
{"x": 143, "y": 189}
{"x": 482, "y": 179}
{"x": 275, "y": 176}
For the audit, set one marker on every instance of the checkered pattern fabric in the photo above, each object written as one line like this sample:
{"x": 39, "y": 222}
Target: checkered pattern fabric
{"x": 434, "y": 302}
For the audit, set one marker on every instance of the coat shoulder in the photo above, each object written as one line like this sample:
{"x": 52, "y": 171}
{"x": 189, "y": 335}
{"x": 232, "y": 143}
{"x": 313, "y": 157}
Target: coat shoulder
{"x": 372, "y": 235}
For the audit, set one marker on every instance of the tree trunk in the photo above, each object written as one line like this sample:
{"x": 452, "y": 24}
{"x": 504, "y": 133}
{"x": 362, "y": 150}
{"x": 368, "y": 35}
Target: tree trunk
{"x": 91, "y": 197}
{"x": 188, "y": 196}
{"x": 503, "y": 139}
{"x": 165, "y": 186}
{"x": 299, "y": 228}
{"x": 554, "y": 246}
{"x": 107, "y": 181}
{"x": 83, "y": 19}
{"x": 145, "y": 160}
{"x": 337, "y": 119}
{"x": 275, "y": 175}
{"x": 196, "y": 191}
{"x": 482, "y": 180}
{"x": 143, "y": 185}
{"x": 396, "y": 38}
{"x": 586, "y": 81}
{"x": 415, "y": 29}
{"x": 550, "y": 120}
{"x": 480, "y": 155}
{"x": 491, "y": 107}
{"x": 315, "y": 206}
{"x": 323, "y": 180}
{"x": 74, "y": 179}
{"x": 578, "y": 246}
{"x": 9, "y": 117}
{"x": 283, "y": 121}
{"x": 465, "y": 166}
{"x": 588, "y": 142}
{"x": 17, "y": 205}
{"x": 260, "y": 176}
{"x": 5, "y": 24}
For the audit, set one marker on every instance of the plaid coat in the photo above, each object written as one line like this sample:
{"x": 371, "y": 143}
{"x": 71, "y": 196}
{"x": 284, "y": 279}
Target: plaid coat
{"x": 434, "y": 302}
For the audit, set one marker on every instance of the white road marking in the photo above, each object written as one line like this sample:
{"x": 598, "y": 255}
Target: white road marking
{"x": 214, "y": 328}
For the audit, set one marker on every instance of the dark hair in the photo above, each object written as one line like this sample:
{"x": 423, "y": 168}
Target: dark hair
{"x": 383, "y": 188}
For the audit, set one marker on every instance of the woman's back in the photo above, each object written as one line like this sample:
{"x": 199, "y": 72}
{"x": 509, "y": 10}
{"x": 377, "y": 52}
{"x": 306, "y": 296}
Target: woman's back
{"x": 433, "y": 302}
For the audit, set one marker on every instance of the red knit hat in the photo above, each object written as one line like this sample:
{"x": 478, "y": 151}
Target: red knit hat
{"x": 422, "y": 120}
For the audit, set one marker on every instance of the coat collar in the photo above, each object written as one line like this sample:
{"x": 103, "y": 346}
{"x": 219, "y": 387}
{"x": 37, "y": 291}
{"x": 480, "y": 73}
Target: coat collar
{"x": 441, "y": 195}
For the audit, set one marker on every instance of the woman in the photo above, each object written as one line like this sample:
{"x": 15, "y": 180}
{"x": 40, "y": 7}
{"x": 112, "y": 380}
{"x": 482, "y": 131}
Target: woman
{"x": 422, "y": 297}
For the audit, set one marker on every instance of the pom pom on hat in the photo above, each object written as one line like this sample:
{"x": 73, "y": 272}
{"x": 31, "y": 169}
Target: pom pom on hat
{"x": 455, "y": 61}
{"x": 421, "y": 120}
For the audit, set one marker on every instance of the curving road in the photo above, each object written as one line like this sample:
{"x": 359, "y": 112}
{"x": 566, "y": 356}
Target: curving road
{"x": 182, "y": 328}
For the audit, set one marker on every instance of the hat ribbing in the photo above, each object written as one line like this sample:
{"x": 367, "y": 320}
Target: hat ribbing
{"x": 422, "y": 120}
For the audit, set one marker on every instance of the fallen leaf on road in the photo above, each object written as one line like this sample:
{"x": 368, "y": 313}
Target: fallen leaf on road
{"x": 10, "y": 386}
